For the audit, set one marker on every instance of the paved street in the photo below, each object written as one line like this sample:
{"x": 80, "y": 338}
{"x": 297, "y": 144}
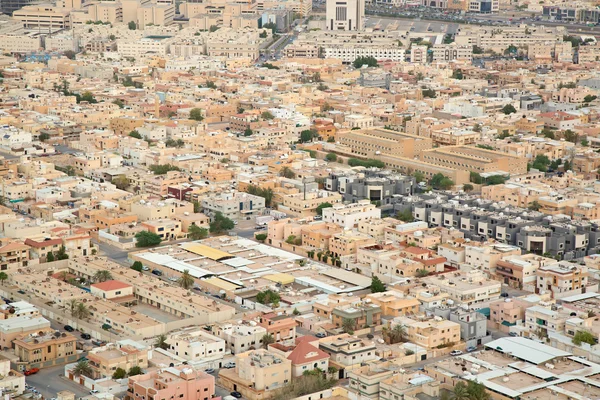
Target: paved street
{"x": 49, "y": 382}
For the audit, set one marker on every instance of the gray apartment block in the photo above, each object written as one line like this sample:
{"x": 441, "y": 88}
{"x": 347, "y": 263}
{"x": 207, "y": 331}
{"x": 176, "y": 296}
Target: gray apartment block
{"x": 373, "y": 185}
{"x": 480, "y": 220}
{"x": 473, "y": 324}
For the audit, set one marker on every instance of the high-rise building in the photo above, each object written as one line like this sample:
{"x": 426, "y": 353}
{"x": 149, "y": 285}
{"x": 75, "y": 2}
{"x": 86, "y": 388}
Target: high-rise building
{"x": 345, "y": 15}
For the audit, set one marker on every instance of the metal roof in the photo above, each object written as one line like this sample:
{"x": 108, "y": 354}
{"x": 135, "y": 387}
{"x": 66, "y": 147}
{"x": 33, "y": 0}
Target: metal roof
{"x": 205, "y": 251}
{"x": 526, "y": 349}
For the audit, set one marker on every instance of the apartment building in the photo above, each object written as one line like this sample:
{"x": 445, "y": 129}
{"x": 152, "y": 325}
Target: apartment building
{"x": 499, "y": 40}
{"x": 468, "y": 289}
{"x": 563, "y": 279}
{"x": 124, "y": 354}
{"x": 257, "y": 374}
{"x": 172, "y": 382}
{"x": 379, "y": 186}
{"x": 305, "y": 204}
{"x": 233, "y": 205}
{"x": 349, "y": 215}
{"x": 281, "y": 327}
{"x": 14, "y": 256}
{"x": 347, "y": 352}
{"x": 45, "y": 349}
{"x": 429, "y": 333}
{"x": 13, "y": 328}
{"x": 363, "y": 315}
{"x": 195, "y": 344}
{"x": 394, "y": 303}
{"x": 240, "y": 338}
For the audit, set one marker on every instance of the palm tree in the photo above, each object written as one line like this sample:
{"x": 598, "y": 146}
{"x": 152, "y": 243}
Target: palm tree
{"x": 460, "y": 391}
{"x": 397, "y": 334}
{"x": 83, "y": 368}
{"x": 477, "y": 391}
{"x": 81, "y": 311}
{"x": 161, "y": 342}
{"x": 3, "y": 277}
{"x": 102, "y": 276}
{"x": 186, "y": 280}
{"x": 72, "y": 304}
{"x": 348, "y": 325}
{"x": 267, "y": 339}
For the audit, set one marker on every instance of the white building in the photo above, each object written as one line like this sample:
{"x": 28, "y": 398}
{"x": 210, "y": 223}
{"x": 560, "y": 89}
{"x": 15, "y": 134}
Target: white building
{"x": 194, "y": 344}
{"x": 233, "y": 205}
{"x": 349, "y": 215}
{"x": 240, "y": 337}
{"x": 345, "y": 15}
{"x": 350, "y": 52}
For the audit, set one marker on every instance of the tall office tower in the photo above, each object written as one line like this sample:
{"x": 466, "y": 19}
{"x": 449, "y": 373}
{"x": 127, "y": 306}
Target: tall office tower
{"x": 345, "y": 15}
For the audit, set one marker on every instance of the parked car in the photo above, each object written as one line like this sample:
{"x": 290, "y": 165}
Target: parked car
{"x": 69, "y": 328}
{"x": 157, "y": 272}
{"x": 237, "y": 395}
{"x": 210, "y": 370}
{"x": 31, "y": 371}
{"x": 513, "y": 334}
{"x": 504, "y": 294}
{"x": 94, "y": 391}
{"x": 144, "y": 268}
{"x": 456, "y": 353}
{"x": 229, "y": 365}
{"x": 86, "y": 336}
{"x": 321, "y": 335}
{"x": 471, "y": 348}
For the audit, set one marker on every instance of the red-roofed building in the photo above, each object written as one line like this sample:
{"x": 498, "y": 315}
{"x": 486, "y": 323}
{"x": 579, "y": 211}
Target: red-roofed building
{"x": 41, "y": 248}
{"x": 306, "y": 357}
{"x": 112, "y": 289}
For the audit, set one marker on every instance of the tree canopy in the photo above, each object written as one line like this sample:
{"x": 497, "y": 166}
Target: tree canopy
{"x": 147, "y": 239}
{"x": 221, "y": 224}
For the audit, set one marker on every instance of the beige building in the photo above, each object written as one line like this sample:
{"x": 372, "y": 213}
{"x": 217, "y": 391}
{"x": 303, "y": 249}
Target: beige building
{"x": 124, "y": 354}
{"x": 43, "y": 17}
{"x": 257, "y": 373}
{"x": 45, "y": 349}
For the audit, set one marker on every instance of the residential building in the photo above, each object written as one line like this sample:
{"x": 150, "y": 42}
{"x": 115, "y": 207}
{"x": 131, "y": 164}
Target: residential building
{"x": 124, "y": 354}
{"x": 195, "y": 344}
{"x": 172, "y": 382}
{"x": 45, "y": 349}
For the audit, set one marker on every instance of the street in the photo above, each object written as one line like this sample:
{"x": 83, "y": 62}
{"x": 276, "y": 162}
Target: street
{"x": 49, "y": 382}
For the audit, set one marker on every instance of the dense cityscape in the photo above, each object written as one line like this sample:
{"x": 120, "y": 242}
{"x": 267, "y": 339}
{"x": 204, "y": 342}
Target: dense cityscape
{"x": 299, "y": 200}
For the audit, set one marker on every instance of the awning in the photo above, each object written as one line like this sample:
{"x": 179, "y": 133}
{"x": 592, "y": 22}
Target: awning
{"x": 206, "y": 251}
{"x": 485, "y": 311}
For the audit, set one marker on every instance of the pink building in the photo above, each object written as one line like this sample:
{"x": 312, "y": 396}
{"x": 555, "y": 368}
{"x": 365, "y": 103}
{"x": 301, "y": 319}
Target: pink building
{"x": 172, "y": 383}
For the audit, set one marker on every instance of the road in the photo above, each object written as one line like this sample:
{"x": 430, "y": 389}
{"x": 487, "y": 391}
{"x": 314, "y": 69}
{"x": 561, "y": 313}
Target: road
{"x": 49, "y": 382}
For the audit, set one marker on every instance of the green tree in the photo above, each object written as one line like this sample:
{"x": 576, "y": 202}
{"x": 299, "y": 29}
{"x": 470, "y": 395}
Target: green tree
{"x": 584, "y": 337}
{"x": 137, "y": 266}
{"x": 213, "y": 28}
{"x": 61, "y": 254}
{"x": 196, "y": 232}
{"x": 397, "y": 334}
{"x": 44, "y": 136}
{"x": 477, "y": 128}
{"x": 268, "y": 297}
{"x": 534, "y": 206}
{"x": 348, "y": 325}
{"x": 81, "y": 311}
{"x": 307, "y": 135}
{"x": 271, "y": 25}
{"x": 102, "y": 276}
{"x": 135, "y": 134}
{"x": 442, "y": 182}
{"x": 585, "y": 143}
{"x": 429, "y": 93}
{"x": 369, "y": 61}
{"x": 509, "y": 109}
{"x": 186, "y": 281}
{"x": 83, "y": 368}
{"x": 248, "y": 132}
{"x": 331, "y": 157}
{"x": 3, "y": 277}
{"x": 571, "y": 136}
{"x": 355, "y": 162}
{"x": 147, "y": 239}
{"x": 549, "y": 133}
{"x": 512, "y": 49}
{"x": 119, "y": 373}
{"x": 419, "y": 176}
{"x": 376, "y": 285}
{"x": 120, "y": 181}
{"x": 119, "y": 103}
{"x": 267, "y": 339}
{"x": 460, "y": 391}
{"x": 266, "y": 115}
{"x": 541, "y": 163}
{"x": 221, "y": 224}
{"x": 132, "y": 25}
{"x": 162, "y": 169}
{"x": 421, "y": 273}
{"x": 321, "y": 206}
{"x": 287, "y": 172}
{"x": 477, "y": 391}
{"x": 197, "y": 207}
{"x": 211, "y": 85}
{"x": 296, "y": 312}
{"x": 135, "y": 370}
{"x": 589, "y": 98}
{"x": 161, "y": 342}
{"x": 457, "y": 74}
{"x": 405, "y": 216}
{"x": 263, "y": 34}
{"x": 467, "y": 187}
{"x": 50, "y": 257}
{"x": 196, "y": 114}
{"x": 261, "y": 237}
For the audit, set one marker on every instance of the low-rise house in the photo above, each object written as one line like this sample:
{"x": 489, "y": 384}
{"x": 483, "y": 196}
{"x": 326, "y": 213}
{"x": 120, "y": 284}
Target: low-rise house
{"x": 172, "y": 382}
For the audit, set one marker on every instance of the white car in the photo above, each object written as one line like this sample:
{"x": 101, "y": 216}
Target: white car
{"x": 94, "y": 391}
{"x": 456, "y": 353}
